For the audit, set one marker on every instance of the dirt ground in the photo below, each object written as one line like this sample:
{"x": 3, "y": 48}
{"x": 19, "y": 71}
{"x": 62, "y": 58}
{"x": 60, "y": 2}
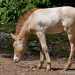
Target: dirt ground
{"x": 25, "y": 67}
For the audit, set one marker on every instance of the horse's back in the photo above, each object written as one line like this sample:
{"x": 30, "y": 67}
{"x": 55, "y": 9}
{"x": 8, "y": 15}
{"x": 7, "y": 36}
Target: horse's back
{"x": 52, "y": 19}
{"x": 45, "y": 18}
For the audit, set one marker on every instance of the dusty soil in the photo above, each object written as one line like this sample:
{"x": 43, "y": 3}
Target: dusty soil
{"x": 25, "y": 67}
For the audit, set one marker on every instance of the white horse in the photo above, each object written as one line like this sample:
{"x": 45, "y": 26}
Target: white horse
{"x": 53, "y": 20}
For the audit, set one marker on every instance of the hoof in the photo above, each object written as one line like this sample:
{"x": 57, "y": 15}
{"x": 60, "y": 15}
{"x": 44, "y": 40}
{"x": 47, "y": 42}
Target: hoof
{"x": 48, "y": 68}
{"x": 16, "y": 59}
{"x": 65, "y": 69}
{"x": 39, "y": 66}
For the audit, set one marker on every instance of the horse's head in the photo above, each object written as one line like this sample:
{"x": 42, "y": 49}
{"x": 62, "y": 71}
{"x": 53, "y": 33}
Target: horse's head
{"x": 18, "y": 46}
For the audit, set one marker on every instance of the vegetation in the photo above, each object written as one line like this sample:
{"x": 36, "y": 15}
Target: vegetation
{"x": 10, "y": 10}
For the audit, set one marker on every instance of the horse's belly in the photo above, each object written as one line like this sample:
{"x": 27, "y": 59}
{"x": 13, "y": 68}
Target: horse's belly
{"x": 55, "y": 29}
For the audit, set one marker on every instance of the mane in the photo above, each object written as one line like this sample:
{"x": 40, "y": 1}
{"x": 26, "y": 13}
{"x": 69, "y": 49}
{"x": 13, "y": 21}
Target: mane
{"x": 22, "y": 19}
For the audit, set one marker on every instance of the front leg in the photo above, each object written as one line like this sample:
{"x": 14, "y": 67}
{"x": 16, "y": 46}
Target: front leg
{"x": 42, "y": 57}
{"x": 41, "y": 37}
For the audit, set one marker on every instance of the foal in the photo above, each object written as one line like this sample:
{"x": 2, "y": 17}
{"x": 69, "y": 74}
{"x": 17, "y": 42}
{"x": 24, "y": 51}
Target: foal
{"x": 53, "y": 20}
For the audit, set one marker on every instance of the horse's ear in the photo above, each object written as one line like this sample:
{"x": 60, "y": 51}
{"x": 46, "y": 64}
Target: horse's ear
{"x": 13, "y": 36}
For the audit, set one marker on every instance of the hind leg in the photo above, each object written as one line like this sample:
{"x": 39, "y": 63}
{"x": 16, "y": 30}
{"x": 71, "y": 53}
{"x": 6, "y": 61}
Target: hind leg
{"x": 41, "y": 37}
{"x": 72, "y": 45}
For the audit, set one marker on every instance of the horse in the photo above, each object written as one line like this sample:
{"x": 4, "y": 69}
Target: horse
{"x": 53, "y": 20}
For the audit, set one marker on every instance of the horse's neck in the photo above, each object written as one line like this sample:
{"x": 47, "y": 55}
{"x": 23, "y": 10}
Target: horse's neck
{"x": 24, "y": 30}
